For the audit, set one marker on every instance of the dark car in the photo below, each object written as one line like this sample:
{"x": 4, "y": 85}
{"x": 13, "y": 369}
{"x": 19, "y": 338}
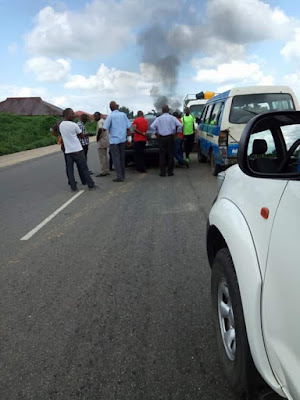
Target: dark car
{"x": 151, "y": 149}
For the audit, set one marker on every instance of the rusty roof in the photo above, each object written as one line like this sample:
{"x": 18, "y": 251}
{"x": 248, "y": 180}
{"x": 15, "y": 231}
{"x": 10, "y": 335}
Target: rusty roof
{"x": 28, "y": 106}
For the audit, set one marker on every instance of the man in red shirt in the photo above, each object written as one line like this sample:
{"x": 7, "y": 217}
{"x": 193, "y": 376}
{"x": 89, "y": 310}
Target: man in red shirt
{"x": 140, "y": 128}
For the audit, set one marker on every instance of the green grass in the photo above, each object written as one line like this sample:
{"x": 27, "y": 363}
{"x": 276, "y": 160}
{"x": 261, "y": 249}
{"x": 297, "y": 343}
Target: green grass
{"x": 91, "y": 127}
{"x": 19, "y": 133}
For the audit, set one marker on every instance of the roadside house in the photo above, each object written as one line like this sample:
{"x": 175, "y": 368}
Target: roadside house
{"x": 28, "y": 106}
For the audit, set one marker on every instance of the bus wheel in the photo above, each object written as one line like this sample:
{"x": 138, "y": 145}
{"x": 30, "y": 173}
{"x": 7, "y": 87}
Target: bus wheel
{"x": 201, "y": 157}
{"x": 215, "y": 168}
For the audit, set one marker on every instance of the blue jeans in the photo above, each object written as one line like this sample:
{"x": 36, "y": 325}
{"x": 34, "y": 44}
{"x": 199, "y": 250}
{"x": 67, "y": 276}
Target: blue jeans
{"x": 178, "y": 153}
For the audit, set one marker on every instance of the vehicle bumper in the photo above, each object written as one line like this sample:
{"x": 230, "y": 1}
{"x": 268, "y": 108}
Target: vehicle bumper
{"x": 148, "y": 150}
{"x": 230, "y": 161}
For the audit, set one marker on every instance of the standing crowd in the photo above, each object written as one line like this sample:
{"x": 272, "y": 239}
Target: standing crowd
{"x": 173, "y": 135}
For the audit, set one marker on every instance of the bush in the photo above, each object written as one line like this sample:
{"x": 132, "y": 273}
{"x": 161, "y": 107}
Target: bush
{"x": 20, "y": 132}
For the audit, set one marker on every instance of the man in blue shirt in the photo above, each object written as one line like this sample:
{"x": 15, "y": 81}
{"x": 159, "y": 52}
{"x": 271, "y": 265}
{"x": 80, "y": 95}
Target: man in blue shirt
{"x": 166, "y": 126}
{"x": 118, "y": 125}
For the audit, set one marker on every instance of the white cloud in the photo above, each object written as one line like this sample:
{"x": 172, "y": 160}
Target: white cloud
{"x": 233, "y": 73}
{"x": 291, "y": 51}
{"x": 293, "y": 80}
{"x": 48, "y": 70}
{"x": 20, "y": 91}
{"x": 114, "y": 81}
{"x": 102, "y": 27}
{"x": 78, "y": 34}
{"x": 128, "y": 88}
{"x": 60, "y": 101}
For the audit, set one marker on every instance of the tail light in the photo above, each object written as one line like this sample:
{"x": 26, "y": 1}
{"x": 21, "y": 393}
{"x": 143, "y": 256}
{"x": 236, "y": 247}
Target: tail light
{"x": 223, "y": 138}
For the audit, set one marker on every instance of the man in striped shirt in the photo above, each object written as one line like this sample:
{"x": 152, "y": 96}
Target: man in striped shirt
{"x": 85, "y": 141}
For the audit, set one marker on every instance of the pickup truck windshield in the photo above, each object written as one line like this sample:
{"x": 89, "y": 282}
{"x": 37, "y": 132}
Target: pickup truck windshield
{"x": 244, "y": 107}
{"x": 196, "y": 110}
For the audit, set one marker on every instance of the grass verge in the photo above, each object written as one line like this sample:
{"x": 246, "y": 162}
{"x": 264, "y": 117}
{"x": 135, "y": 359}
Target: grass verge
{"x": 19, "y": 132}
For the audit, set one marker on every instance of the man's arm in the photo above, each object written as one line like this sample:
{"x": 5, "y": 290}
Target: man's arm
{"x": 99, "y": 130}
{"x": 55, "y": 130}
{"x": 179, "y": 125}
{"x": 107, "y": 123}
{"x": 154, "y": 126}
{"x": 79, "y": 132}
{"x": 138, "y": 131}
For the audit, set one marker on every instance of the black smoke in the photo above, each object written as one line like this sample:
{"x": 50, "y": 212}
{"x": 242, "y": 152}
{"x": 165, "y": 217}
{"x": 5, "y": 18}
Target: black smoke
{"x": 158, "y": 51}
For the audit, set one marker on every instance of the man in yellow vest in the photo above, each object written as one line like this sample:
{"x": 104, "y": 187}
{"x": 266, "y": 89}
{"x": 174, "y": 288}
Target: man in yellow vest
{"x": 188, "y": 121}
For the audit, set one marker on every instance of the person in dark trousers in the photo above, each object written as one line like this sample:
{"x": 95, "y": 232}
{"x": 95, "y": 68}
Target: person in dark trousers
{"x": 111, "y": 165}
{"x": 140, "y": 128}
{"x": 166, "y": 126}
{"x": 84, "y": 140}
{"x": 178, "y": 140}
{"x": 70, "y": 133}
{"x": 188, "y": 121}
{"x": 55, "y": 132}
{"x": 118, "y": 125}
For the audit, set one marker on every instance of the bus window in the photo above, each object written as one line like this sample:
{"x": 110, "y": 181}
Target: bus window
{"x": 208, "y": 113}
{"x": 215, "y": 114}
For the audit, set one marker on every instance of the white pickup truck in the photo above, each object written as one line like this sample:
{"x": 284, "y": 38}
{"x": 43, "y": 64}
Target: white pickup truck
{"x": 252, "y": 242}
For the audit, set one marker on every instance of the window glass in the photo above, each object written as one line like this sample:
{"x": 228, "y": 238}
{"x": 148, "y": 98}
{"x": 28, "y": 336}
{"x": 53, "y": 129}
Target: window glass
{"x": 262, "y": 153}
{"x": 244, "y": 107}
{"x": 196, "y": 110}
{"x": 215, "y": 114}
{"x": 265, "y": 136}
{"x": 203, "y": 114}
{"x": 207, "y": 115}
{"x": 275, "y": 150}
{"x": 291, "y": 134}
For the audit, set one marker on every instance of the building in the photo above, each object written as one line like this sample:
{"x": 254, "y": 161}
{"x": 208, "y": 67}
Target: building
{"x": 28, "y": 106}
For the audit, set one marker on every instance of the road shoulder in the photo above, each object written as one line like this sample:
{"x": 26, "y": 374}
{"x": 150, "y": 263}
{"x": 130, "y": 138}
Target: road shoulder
{"x": 16, "y": 158}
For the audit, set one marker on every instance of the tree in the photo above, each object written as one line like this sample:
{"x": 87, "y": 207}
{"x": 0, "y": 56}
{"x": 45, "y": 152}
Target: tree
{"x": 126, "y": 111}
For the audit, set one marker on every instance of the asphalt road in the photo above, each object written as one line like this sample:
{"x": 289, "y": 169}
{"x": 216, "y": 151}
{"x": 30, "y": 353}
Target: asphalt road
{"x": 110, "y": 299}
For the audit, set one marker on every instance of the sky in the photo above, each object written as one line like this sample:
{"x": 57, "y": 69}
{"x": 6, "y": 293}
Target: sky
{"x": 83, "y": 54}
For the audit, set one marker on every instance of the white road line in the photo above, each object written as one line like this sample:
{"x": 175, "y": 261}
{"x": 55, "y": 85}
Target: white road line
{"x": 38, "y": 227}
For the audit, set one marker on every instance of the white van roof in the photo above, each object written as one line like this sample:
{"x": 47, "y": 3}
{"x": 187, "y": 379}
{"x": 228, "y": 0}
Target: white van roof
{"x": 259, "y": 89}
{"x": 254, "y": 90}
{"x": 195, "y": 102}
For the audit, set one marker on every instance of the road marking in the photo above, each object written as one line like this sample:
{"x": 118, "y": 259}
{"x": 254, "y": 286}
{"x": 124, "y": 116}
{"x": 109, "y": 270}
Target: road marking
{"x": 38, "y": 227}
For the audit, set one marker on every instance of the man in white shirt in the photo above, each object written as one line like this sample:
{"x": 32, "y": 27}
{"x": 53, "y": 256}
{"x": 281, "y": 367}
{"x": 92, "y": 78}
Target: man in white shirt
{"x": 70, "y": 133}
{"x": 103, "y": 144}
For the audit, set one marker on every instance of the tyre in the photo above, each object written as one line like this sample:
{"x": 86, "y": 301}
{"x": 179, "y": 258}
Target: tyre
{"x": 229, "y": 323}
{"x": 201, "y": 157}
{"x": 215, "y": 168}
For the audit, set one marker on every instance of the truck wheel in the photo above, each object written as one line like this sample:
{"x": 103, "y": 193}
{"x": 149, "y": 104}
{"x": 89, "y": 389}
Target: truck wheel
{"x": 229, "y": 323}
{"x": 215, "y": 168}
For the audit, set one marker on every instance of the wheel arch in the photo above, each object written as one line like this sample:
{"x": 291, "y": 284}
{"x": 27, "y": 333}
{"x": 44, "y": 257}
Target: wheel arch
{"x": 214, "y": 242}
{"x": 227, "y": 221}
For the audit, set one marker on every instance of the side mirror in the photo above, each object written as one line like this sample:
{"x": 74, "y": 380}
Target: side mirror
{"x": 270, "y": 146}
